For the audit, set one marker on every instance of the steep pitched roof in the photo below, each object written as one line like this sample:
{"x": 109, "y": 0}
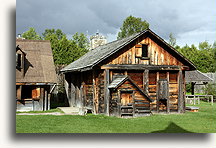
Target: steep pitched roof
{"x": 196, "y": 76}
{"x": 120, "y": 79}
{"x": 39, "y": 65}
{"x": 95, "y": 56}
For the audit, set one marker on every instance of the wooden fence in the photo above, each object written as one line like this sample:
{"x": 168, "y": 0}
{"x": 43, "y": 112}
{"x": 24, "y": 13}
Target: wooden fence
{"x": 193, "y": 99}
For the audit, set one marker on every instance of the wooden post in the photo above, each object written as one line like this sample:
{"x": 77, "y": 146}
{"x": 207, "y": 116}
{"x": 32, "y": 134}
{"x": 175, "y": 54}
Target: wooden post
{"x": 106, "y": 92}
{"x": 94, "y": 92}
{"x": 157, "y": 92}
{"x": 192, "y": 87}
{"x": 119, "y": 103}
{"x": 180, "y": 92}
{"x": 42, "y": 98}
{"x": 146, "y": 80}
{"x": 45, "y": 100}
{"x": 212, "y": 100}
{"x": 168, "y": 95}
{"x": 48, "y": 104}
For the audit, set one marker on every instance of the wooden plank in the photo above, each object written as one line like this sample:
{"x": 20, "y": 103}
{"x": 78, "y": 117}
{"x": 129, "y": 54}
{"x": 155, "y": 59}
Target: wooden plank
{"x": 140, "y": 67}
{"x": 45, "y": 100}
{"x": 106, "y": 92}
{"x": 146, "y": 81}
{"x": 180, "y": 92}
{"x": 168, "y": 95}
{"x": 48, "y": 101}
{"x": 94, "y": 111}
{"x": 41, "y": 102}
{"x": 157, "y": 93}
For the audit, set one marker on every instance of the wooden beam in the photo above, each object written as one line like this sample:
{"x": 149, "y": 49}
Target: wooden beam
{"x": 192, "y": 87}
{"x": 48, "y": 101}
{"x": 141, "y": 67}
{"x": 146, "y": 80}
{"x": 94, "y": 111}
{"x": 180, "y": 93}
{"x": 42, "y": 98}
{"x": 168, "y": 99}
{"x": 45, "y": 100}
{"x": 157, "y": 92}
{"x": 106, "y": 92}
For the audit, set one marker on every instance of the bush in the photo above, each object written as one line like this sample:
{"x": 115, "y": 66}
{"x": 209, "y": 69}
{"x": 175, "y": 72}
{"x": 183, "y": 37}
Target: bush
{"x": 209, "y": 89}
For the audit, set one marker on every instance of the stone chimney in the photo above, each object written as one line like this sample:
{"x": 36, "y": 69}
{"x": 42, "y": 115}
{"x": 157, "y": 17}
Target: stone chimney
{"x": 97, "y": 40}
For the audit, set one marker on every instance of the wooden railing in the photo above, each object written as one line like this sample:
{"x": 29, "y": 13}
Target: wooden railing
{"x": 193, "y": 99}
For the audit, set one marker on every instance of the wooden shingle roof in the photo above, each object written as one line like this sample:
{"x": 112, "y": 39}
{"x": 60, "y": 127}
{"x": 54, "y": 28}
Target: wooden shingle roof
{"x": 196, "y": 76}
{"x": 38, "y": 64}
{"x": 97, "y": 55}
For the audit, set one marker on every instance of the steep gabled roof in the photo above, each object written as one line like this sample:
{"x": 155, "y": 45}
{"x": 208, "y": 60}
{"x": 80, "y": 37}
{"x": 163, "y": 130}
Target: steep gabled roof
{"x": 38, "y": 62}
{"x": 120, "y": 79}
{"x": 196, "y": 76}
{"x": 95, "y": 56}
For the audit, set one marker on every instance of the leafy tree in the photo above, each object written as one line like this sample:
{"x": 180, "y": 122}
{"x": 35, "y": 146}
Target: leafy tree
{"x": 31, "y": 34}
{"x": 64, "y": 50}
{"x": 81, "y": 40}
{"x": 132, "y": 25}
{"x": 172, "y": 40}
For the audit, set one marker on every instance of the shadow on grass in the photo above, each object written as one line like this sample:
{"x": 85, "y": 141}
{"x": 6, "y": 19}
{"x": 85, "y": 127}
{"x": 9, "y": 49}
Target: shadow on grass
{"x": 173, "y": 128}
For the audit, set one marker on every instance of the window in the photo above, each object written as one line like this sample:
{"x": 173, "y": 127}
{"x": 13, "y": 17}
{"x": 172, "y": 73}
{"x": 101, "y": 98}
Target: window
{"x": 144, "y": 50}
{"x": 18, "y": 60}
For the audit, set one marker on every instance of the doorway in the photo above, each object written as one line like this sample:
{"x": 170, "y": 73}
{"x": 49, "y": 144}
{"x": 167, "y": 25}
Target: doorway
{"x": 163, "y": 96}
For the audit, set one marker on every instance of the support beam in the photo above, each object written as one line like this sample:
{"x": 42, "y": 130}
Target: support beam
{"x": 180, "y": 93}
{"x": 192, "y": 87}
{"x": 146, "y": 80}
{"x": 157, "y": 92}
{"x": 141, "y": 67}
{"x": 42, "y": 98}
{"x": 168, "y": 95}
{"x": 45, "y": 100}
{"x": 106, "y": 92}
{"x": 48, "y": 102}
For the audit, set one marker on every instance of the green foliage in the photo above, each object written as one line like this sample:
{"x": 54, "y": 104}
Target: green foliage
{"x": 203, "y": 57}
{"x": 31, "y": 34}
{"x": 210, "y": 89}
{"x": 188, "y": 87}
{"x": 172, "y": 40}
{"x": 132, "y": 25}
{"x": 64, "y": 50}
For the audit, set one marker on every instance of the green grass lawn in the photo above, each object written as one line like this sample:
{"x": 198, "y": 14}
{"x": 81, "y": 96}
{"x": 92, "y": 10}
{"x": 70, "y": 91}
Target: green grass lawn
{"x": 203, "y": 121}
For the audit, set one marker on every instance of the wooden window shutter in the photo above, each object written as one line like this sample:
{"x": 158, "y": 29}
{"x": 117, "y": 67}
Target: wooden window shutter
{"x": 138, "y": 50}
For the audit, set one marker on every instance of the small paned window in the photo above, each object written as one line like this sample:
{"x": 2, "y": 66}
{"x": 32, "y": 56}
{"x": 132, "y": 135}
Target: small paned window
{"x": 144, "y": 50}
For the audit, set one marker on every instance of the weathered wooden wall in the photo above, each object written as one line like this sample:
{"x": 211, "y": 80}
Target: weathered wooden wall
{"x": 157, "y": 55}
{"x": 32, "y": 98}
{"x": 119, "y": 99}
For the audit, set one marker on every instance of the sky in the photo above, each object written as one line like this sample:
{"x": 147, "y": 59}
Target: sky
{"x": 190, "y": 21}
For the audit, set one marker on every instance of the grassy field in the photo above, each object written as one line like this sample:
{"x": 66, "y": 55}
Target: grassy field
{"x": 203, "y": 121}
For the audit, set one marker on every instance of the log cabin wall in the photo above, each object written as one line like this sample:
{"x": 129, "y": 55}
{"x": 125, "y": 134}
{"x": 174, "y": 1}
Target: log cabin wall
{"x": 157, "y": 55}
{"x": 121, "y": 104}
{"x": 32, "y": 97}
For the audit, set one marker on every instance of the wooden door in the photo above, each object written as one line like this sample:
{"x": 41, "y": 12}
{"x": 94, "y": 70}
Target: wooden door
{"x": 126, "y": 98}
{"x": 163, "y": 95}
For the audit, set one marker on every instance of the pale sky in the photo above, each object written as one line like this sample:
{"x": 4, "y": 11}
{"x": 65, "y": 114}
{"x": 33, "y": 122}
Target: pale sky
{"x": 190, "y": 21}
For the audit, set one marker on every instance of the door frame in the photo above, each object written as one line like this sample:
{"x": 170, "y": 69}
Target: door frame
{"x": 119, "y": 99}
{"x": 167, "y": 99}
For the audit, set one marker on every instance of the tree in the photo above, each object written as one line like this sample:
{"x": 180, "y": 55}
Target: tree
{"x": 172, "y": 40}
{"x": 132, "y": 25}
{"x": 31, "y": 34}
{"x": 64, "y": 50}
{"x": 81, "y": 40}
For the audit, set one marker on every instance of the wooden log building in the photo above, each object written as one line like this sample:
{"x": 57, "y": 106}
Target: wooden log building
{"x": 133, "y": 76}
{"x": 35, "y": 75}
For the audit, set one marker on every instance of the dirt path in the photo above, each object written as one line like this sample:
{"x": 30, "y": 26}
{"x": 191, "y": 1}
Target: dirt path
{"x": 52, "y": 113}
